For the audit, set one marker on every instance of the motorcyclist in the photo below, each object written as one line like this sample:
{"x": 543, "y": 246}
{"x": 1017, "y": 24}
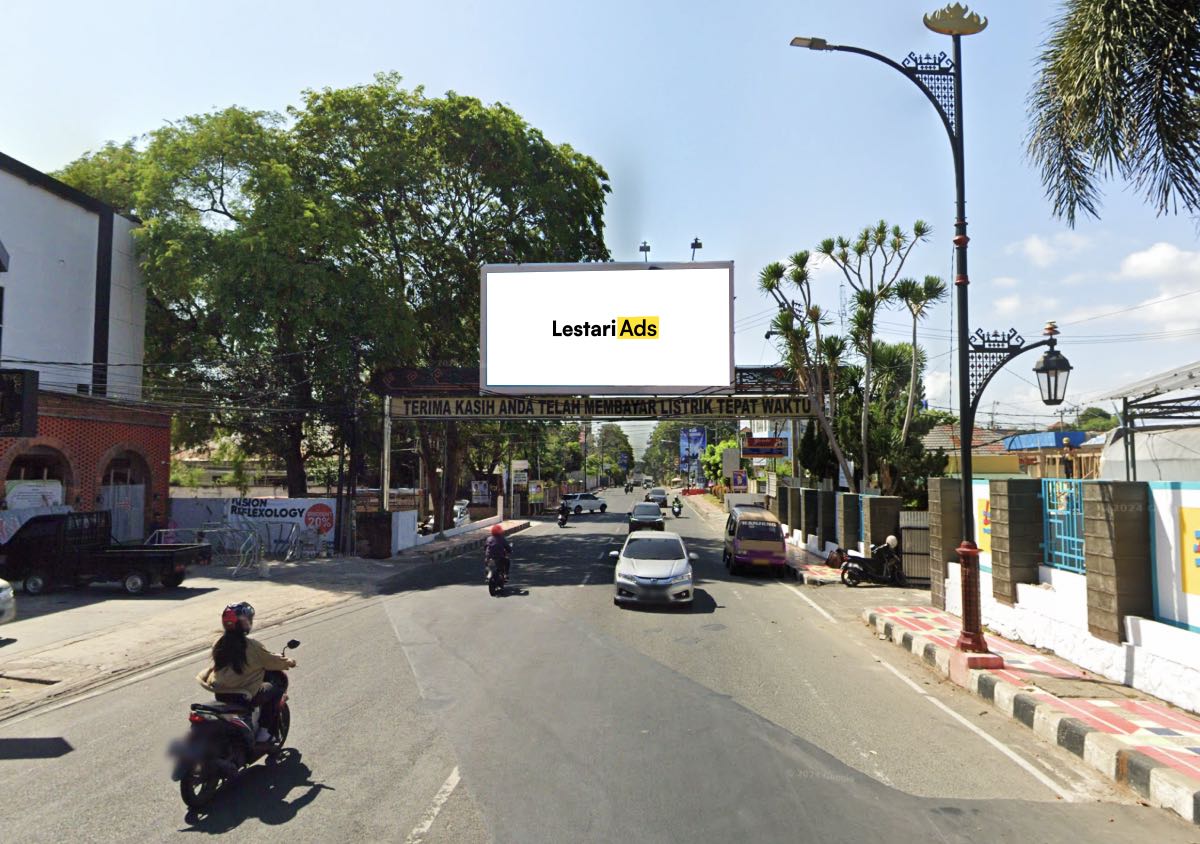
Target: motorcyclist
{"x": 677, "y": 504}
{"x": 499, "y": 549}
{"x": 238, "y": 666}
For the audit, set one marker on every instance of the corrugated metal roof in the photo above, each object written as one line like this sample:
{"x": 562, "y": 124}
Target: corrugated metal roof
{"x": 1044, "y": 439}
{"x": 1183, "y": 378}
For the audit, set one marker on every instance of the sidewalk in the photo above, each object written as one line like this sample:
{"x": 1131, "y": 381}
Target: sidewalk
{"x": 72, "y": 641}
{"x": 1123, "y": 733}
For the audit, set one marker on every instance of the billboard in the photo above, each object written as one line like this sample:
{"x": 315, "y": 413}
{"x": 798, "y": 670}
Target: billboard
{"x": 606, "y": 328}
{"x": 765, "y": 447}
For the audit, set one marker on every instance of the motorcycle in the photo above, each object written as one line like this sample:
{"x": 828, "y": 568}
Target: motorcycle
{"x": 562, "y": 519}
{"x": 496, "y": 575}
{"x": 884, "y": 566}
{"x": 221, "y": 741}
{"x": 676, "y": 509}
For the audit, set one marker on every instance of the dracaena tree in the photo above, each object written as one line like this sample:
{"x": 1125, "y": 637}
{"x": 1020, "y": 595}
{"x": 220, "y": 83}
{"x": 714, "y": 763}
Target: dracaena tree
{"x": 799, "y": 323}
{"x": 871, "y": 264}
{"x": 918, "y": 297}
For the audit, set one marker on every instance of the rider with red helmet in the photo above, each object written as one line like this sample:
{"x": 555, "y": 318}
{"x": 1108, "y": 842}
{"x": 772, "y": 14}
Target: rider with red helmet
{"x": 499, "y": 549}
{"x": 239, "y": 664}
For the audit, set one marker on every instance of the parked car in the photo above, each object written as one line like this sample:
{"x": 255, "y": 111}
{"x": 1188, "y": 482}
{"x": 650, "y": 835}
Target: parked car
{"x": 77, "y": 549}
{"x": 8, "y": 602}
{"x": 754, "y": 538}
{"x": 580, "y": 501}
{"x": 653, "y": 569}
{"x": 646, "y": 515}
{"x": 658, "y": 495}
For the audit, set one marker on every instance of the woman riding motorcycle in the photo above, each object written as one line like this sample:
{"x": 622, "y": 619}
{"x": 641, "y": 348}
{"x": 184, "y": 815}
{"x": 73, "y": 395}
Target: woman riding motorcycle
{"x": 498, "y": 549}
{"x": 238, "y": 666}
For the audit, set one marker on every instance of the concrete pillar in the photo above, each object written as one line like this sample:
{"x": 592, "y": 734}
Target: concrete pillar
{"x": 1016, "y": 535}
{"x": 780, "y": 505}
{"x": 826, "y": 517}
{"x": 794, "y": 517}
{"x": 881, "y": 515}
{"x": 848, "y": 504}
{"x": 808, "y": 512}
{"x": 1116, "y": 543}
{"x": 945, "y": 525}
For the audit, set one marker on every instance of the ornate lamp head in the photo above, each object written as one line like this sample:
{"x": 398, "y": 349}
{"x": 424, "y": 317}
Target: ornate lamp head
{"x": 955, "y": 19}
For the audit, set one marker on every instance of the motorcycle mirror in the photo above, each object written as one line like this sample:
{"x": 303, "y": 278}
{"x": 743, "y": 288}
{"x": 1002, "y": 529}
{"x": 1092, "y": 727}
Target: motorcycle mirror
{"x": 293, "y": 644}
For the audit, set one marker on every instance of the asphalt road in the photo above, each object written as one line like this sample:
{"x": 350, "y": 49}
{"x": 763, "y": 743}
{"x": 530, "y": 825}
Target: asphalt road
{"x": 437, "y": 713}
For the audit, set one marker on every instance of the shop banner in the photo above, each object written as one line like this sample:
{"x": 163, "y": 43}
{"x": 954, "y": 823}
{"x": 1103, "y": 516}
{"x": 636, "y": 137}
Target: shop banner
{"x": 316, "y": 513}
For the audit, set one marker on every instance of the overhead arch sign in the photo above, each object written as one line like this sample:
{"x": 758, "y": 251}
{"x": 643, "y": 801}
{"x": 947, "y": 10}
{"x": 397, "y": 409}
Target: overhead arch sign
{"x": 606, "y": 328}
{"x": 577, "y": 407}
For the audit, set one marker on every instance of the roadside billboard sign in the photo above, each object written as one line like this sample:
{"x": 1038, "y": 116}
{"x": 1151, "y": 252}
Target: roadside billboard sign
{"x": 538, "y": 321}
{"x": 537, "y": 492}
{"x": 765, "y": 447}
{"x": 739, "y": 481}
{"x": 731, "y": 459}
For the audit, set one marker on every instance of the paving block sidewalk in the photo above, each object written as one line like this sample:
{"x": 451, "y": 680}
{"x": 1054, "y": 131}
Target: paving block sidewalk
{"x": 1136, "y": 740}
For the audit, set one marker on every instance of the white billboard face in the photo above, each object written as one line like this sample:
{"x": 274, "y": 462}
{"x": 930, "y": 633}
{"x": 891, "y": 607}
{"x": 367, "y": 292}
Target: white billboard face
{"x": 606, "y": 329}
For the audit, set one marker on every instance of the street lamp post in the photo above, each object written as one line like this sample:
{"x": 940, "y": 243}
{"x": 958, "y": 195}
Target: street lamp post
{"x": 939, "y": 78}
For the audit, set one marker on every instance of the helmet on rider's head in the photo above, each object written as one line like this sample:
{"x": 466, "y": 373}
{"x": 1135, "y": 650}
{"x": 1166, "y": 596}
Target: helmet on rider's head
{"x": 892, "y": 541}
{"x": 238, "y": 616}
{"x": 497, "y": 530}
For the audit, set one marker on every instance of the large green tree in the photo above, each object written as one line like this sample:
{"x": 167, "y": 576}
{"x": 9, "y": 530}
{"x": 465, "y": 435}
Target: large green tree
{"x": 434, "y": 187}
{"x": 1116, "y": 95}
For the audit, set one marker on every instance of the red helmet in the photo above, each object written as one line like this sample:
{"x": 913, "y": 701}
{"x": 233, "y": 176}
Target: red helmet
{"x": 497, "y": 530}
{"x": 238, "y": 616}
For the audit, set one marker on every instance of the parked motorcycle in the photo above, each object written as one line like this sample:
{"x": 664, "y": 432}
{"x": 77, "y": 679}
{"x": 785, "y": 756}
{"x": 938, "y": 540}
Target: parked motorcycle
{"x": 221, "y": 741}
{"x": 884, "y": 566}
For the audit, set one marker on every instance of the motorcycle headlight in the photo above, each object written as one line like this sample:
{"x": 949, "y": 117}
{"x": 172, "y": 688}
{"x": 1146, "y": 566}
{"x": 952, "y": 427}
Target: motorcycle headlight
{"x": 626, "y": 577}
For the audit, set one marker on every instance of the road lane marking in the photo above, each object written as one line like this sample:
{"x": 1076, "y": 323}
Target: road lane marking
{"x": 993, "y": 741}
{"x": 439, "y": 800}
{"x": 811, "y": 602}
{"x": 586, "y": 578}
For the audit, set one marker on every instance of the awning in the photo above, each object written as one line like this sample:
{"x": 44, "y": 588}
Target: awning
{"x": 1183, "y": 378}
{"x": 1044, "y": 439}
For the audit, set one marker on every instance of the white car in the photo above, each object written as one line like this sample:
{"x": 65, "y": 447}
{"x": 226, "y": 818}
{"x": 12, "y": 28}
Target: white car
{"x": 8, "y": 602}
{"x": 654, "y": 567}
{"x": 580, "y": 501}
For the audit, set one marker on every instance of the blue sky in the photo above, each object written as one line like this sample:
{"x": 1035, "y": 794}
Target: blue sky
{"x": 709, "y": 124}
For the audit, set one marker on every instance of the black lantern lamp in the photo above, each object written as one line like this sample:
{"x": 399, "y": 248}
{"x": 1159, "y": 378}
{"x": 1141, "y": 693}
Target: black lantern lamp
{"x": 1052, "y": 370}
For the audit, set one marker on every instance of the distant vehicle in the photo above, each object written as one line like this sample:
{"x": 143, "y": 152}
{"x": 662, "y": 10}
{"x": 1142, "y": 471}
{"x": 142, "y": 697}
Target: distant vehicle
{"x": 653, "y": 569}
{"x": 8, "y": 602}
{"x": 658, "y": 495}
{"x": 76, "y": 549}
{"x": 754, "y": 538}
{"x": 646, "y": 515}
{"x": 580, "y": 501}
{"x": 646, "y": 484}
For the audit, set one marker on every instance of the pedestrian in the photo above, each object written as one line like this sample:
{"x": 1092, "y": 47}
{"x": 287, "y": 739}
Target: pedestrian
{"x": 1068, "y": 458}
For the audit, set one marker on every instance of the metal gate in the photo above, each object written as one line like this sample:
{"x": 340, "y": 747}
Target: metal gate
{"x": 1062, "y": 505}
{"x": 914, "y": 544}
{"x": 127, "y": 503}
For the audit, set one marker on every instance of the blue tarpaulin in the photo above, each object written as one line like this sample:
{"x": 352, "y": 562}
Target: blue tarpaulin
{"x": 1044, "y": 439}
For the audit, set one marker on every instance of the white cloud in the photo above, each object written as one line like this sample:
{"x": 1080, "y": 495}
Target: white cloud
{"x": 937, "y": 387}
{"x": 1005, "y": 281}
{"x": 1007, "y": 304}
{"x": 1044, "y": 251}
{"x": 1162, "y": 261}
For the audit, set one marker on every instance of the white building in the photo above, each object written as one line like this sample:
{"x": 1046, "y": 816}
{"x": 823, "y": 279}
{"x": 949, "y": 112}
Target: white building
{"x": 72, "y": 301}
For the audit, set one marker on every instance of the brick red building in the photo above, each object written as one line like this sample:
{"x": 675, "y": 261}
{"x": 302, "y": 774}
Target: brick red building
{"x": 94, "y": 447}
{"x": 72, "y": 308}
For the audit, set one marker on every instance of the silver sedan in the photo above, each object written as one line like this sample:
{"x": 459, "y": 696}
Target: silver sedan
{"x": 653, "y": 568}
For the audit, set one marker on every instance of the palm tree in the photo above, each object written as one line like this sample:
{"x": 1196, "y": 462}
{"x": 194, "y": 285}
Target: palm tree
{"x": 917, "y": 297}
{"x": 1117, "y": 95}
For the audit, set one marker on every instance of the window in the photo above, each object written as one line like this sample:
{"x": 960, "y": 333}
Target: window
{"x": 655, "y": 548}
{"x": 646, "y": 510}
{"x": 759, "y": 531}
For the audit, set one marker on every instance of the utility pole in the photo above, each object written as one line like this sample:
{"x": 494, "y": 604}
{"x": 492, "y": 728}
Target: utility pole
{"x": 385, "y": 464}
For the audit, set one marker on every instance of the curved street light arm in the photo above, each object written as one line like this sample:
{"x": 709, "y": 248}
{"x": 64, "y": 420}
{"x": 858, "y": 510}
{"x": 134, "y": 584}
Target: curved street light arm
{"x": 974, "y": 406}
{"x": 871, "y": 54}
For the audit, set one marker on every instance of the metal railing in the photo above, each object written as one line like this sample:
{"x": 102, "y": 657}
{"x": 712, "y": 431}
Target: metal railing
{"x": 236, "y": 548}
{"x": 1062, "y": 509}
